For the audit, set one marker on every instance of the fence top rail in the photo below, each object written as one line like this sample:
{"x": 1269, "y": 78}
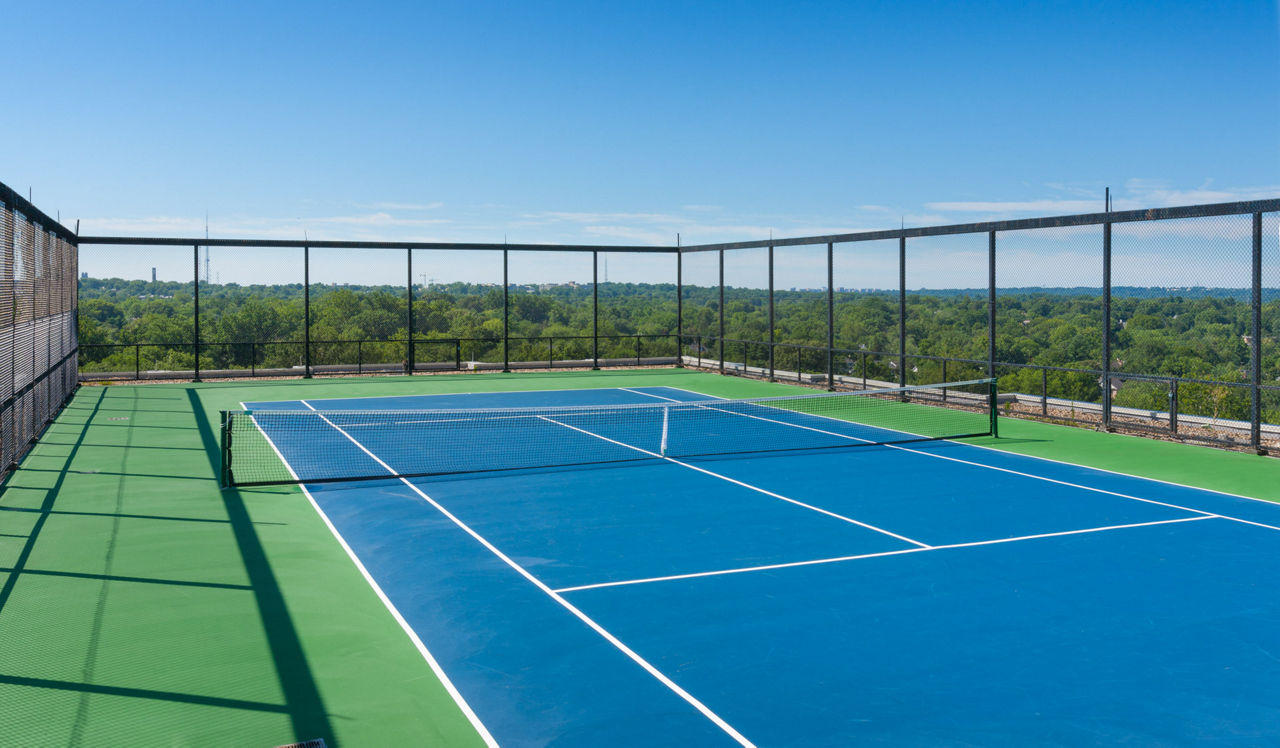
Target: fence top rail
{"x": 338, "y": 244}
{"x": 1083, "y": 219}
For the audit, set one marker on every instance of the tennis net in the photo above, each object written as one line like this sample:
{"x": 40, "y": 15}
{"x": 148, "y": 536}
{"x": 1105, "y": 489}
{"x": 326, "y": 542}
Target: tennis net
{"x": 262, "y": 447}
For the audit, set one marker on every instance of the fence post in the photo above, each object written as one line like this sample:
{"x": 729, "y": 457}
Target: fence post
{"x": 902, "y": 311}
{"x": 137, "y": 361}
{"x": 1255, "y": 426}
{"x": 595, "y": 310}
{"x": 457, "y": 354}
{"x": 306, "y": 314}
{"x": 196, "y": 338}
{"x": 944, "y": 379}
{"x": 679, "y": 305}
{"x": 1173, "y": 406}
{"x": 1106, "y": 326}
{"x": 359, "y": 356}
{"x": 551, "y": 352}
{"x": 637, "y": 350}
{"x": 409, "y": 362}
{"x": 721, "y": 344}
{"x": 991, "y": 305}
{"x": 771, "y": 333}
{"x": 831, "y": 317}
{"x": 506, "y": 313}
{"x": 1044, "y": 392}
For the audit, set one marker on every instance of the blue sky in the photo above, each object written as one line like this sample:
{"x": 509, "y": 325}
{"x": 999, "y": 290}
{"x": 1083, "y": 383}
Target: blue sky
{"x": 626, "y": 122}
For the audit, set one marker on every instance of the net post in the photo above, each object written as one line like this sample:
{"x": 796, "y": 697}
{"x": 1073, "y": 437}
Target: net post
{"x": 595, "y": 310}
{"x": 225, "y": 439}
{"x": 506, "y": 315}
{"x": 995, "y": 423}
{"x": 1255, "y": 352}
{"x": 196, "y": 304}
{"x": 408, "y": 287}
{"x": 306, "y": 315}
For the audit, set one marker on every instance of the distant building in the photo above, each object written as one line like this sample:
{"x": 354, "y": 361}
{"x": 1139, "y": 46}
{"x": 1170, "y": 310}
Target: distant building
{"x": 84, "y": 276}
{"x": 153, "y": 275}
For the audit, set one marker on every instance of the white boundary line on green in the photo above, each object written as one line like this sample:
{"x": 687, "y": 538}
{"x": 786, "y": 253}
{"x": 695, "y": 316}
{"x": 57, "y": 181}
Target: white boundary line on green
{"x": 386, "y": 601}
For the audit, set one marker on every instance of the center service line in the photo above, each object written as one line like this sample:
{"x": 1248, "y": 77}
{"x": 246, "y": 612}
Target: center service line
{"x": 817, "y": 509}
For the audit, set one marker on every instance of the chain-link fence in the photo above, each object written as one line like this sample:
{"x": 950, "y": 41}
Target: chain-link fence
{"x": 38, "y": 265}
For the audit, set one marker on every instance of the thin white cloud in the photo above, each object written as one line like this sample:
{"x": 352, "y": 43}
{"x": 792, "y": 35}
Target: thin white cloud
{"x": 267, "y": 228}
{"x": 1018, "y": 206}
{"x": 1091, "y": 192}
{"x": 631, "y": 234}
{"x": 586, "y": 217}
{"x": 1139, "y": 194}
{"x": 375, "y": 219}
{"x": 406, "y": 206}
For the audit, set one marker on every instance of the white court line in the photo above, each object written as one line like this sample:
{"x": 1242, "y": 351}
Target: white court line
{"x": 454, "y": 394}
{"x": 650, "y": 394}
{"x": 903, "y": 551}
{"x": 1006, "y": 470}
{"x": 1036, "y": 457}
{"x": 820, "y": 510}
{"x": 662, "y": 678}
{"x": 386, "y": 601}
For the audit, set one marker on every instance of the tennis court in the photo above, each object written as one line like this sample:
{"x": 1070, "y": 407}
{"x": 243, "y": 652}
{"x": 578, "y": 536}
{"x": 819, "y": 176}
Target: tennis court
{"x": 652, "y": 565}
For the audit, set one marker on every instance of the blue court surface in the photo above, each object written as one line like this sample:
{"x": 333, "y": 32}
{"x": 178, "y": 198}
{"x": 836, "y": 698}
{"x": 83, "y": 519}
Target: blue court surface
{"x": 923, "y": 594}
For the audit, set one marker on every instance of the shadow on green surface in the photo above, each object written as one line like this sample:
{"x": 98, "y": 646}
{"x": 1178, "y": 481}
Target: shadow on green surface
{"x": 302, "y": 704}
{"x": 141, "y": 693}
{"x": 127, "y": 516}
{"x": 46, "y": 507}
{"x": 306, "y": 707}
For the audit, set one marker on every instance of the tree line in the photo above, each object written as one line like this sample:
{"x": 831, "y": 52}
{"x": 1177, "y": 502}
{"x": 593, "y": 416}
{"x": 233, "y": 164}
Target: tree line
{"x": 1190, "y": 333}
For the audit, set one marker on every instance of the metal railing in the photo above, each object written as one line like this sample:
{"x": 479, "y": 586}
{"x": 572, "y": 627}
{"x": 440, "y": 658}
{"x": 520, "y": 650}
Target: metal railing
{"x": 366, "y": 356}
{"x": 868, "y": 369}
